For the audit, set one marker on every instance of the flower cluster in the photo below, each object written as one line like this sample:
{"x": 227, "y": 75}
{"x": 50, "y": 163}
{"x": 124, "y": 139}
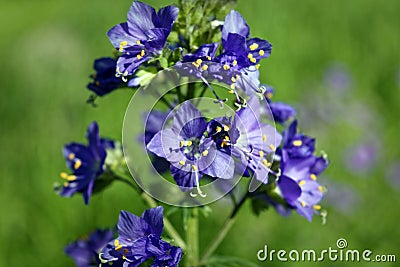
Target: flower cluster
{"x": 217, "y": 57}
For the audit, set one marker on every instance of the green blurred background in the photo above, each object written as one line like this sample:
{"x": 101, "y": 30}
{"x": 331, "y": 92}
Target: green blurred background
{"x": 47, "y": 49}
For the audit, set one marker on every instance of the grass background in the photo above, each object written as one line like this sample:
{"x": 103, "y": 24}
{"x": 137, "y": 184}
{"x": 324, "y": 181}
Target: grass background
{"x": 46, "y": 54}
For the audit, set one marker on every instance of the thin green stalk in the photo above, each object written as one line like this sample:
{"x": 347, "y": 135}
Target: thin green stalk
{"x": 190, "y": 90}
{"x": 179, "y": 94}
{"x": 192, "y": 238}
{"x": 169, "y": 228}
{"x": 223, "y": 231}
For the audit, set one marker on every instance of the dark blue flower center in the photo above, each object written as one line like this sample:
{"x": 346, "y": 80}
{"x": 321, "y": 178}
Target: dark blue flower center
{"x": 191, "y": 148}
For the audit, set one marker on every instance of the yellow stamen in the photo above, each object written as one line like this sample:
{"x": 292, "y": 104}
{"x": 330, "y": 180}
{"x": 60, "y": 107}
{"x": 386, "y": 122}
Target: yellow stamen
{"x": 226, "y": 138}
{"x": 253, "y": 60}
{"x": 65, "y": 184}
{"x": 189, "y": 143}
{"x": 138, "y": 56}
{"x": 208, "y": 57}
{"x": 123, "y": 257}
{"x": 224, "y": 143}
{"x": 321, "y": 189}
{"x": 205, "y": 153}
{"x": 71, "y": 156}
{"x": 226, "y": 128}
{"x": 250, "y": 55}
{"x": 218, "y": 129}
{"x": 269, "y": 95}
{"x": 258, "y": 66}
{"x": 232, "y": 86}
{"x": 233, "y": 79}
{"x": 272, "y": 147}
{"x": 226, "y": 67}
{"x": 234, "y": 63}
{"x": 261, "y": 153}
{"x": 261, "y": 52}
{"x": 142, "y": 53}
{"x": 138, "y": 42}
{"x": 253, "y": 46}
{"x": 317, "y": 207}
{"x": 181, "y": 143}
{"x": 266, "y": 163}
{"x": 302, "y": 183}
{"x": 303, "y": 203}
{"x": 71, "y": 178}
{"x": 264, "y": 137}
{"x": 182, "y": 162}
{"x": 205, "y": 67}
{"x": 77, "y": 164}
{"x": 313, "y": 176}
{"x": 297, "y": 142}
{"x": 231, "y": 91}
{"x": 195, "y": 64}
{"x": 121, "y": 45}
{"x": 63, "y": 175}
{"x": 199, "y": 61}
{"x": 194, "y": 167}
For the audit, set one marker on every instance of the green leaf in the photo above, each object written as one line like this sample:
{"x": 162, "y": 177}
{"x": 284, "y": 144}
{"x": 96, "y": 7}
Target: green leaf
{"x": 163, "y": 62}
{"x": 228, "y": 261}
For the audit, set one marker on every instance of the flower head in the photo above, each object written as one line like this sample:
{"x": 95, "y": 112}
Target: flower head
{"x": 240, "y": 51}
{"x": 86, "y": 163}
{"x": 189, "y": 150}
{"x": 142, "y": 36}
{"x": 139, "y": 239}
{"x": 104, "y": 81}
{"x": 298, "y": 183}
{"x": 85, "y": 252}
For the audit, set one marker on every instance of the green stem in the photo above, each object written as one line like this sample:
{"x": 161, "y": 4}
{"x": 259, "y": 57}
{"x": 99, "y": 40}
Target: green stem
{"x": 223, "y": 231}
{"x": 192, "y": 238}
{"x": 169, "y": 228}
{"x": 179, "y": 94}
{"x": 190, "y": 90}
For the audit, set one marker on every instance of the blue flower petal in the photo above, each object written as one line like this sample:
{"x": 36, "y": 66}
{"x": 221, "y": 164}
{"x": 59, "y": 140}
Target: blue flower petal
{"x": 235, "y": 23}
{"x": 154, "y": 217}
{"x": 140, "y": 19}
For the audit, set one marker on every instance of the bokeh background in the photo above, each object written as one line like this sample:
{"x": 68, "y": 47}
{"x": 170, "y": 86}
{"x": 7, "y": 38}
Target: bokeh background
{"x": 337, "y": 62}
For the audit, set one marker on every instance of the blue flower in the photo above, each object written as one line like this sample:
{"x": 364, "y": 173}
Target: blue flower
{"x": 190, "y": 152}
{"x": 85, "y": 252}
{"x": 298, "y": 183}
{"x": 240, "y": 51}
{"x": 282, "y": 112}
{"x": 139, "y": 239}
{"x": 104, "y": 81}
{"x": 86, "y": 163}
{"x": 142, "y": 36}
